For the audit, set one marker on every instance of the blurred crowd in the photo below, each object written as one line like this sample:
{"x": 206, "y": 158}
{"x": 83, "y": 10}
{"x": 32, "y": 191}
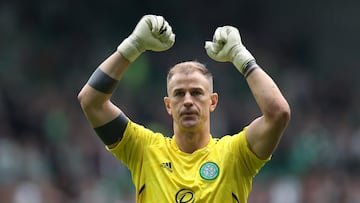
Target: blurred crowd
{"x": 49, "y": 153}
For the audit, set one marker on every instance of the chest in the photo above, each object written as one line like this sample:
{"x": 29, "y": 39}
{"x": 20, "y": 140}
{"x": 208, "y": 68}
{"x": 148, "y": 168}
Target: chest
{"x": 183, "y": 176}
{"x": 211, "y": 174}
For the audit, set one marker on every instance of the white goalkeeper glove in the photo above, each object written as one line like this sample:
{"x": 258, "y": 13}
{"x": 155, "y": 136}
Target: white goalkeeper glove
{"x": 151, "y": 33}
{"x": 227, "y": 47}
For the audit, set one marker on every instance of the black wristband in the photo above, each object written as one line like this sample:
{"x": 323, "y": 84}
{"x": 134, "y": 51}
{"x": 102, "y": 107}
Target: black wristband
{"x": 102, "y": 82}
{"x": 250, "y": 67}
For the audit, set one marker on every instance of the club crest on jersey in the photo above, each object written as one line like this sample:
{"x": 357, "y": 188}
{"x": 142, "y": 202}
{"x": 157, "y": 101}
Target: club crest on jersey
{"x": 209, "y": 171}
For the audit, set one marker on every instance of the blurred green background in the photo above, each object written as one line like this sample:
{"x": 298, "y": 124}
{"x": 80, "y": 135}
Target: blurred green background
{"x": 48, "y": 49}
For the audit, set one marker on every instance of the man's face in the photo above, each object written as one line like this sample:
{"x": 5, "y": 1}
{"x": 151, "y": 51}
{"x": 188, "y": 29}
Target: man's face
{"x": 190, "y": 100}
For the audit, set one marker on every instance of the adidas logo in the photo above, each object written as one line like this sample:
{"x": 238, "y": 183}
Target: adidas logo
{"x": 167, "y": 165}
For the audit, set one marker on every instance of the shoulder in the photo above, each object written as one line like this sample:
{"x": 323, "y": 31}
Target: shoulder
{"x": 237, "y": 137}
{"x": 135, "y": 132}
{"x": 236, "y": 143}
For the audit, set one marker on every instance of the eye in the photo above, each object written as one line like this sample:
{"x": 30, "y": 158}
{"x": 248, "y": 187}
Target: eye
{"x": 196, "y": 92}
{"x": 179, "y": 93}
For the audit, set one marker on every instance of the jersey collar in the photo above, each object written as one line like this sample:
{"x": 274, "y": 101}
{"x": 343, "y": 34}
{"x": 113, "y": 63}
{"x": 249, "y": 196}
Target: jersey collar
{"x": 204, "y": 149}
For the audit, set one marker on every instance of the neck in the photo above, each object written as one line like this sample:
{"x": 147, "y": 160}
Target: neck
{"x": 189, "y": 142}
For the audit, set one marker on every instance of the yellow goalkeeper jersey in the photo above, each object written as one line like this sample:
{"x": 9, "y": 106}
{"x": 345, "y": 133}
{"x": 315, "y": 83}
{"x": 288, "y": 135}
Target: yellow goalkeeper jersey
{"x": 220, "y": 172}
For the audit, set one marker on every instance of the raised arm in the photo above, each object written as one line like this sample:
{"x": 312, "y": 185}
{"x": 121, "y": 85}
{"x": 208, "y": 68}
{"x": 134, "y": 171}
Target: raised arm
{"x": 265, "y": 132}
{"x": 151, "y": 33}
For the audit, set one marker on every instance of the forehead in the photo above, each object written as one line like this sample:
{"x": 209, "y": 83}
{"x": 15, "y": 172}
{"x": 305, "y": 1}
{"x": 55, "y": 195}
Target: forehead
{"x": 187, "y": 80}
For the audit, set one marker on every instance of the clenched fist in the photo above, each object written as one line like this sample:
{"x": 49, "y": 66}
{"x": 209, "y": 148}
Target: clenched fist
{"x": 151, "y": 33}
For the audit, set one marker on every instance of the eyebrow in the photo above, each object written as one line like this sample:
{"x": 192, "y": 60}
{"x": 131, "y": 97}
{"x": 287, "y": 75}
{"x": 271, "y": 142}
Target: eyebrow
{"x": 191, "y": 89}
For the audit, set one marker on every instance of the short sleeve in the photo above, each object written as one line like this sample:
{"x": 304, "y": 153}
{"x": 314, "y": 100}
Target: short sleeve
{"x": 248, "y": 160}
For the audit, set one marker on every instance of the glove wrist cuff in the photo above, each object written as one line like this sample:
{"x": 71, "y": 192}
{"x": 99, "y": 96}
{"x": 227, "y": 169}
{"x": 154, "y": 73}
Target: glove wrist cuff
{"x": 241, "y": 59}
{"x": 129, "y": 49}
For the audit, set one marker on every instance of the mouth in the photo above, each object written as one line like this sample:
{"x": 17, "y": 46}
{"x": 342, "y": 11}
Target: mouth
{"x": 188, "y": 113}
{"x": 189, "y": 118}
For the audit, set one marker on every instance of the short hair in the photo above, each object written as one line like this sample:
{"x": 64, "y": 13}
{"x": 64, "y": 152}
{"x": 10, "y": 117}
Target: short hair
{"x": 188, "y": 67}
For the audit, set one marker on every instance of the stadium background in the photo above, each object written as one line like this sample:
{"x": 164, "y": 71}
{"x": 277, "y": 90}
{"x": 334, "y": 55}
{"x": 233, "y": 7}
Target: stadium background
{"x": 48, "y": 49}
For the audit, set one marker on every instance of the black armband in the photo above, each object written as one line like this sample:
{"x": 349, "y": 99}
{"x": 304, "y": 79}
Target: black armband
{"x": 250, "y": 67}
{"x": 102, "y": 82}
{"x": 112, "y": 131}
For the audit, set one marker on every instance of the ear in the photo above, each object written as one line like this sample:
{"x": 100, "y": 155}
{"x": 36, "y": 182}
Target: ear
{"x": 214, "y": 100}
{"x": 167, "y": 105}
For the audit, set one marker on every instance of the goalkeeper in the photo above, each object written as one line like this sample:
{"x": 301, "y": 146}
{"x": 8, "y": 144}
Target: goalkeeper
{"x": 190, "y": 165}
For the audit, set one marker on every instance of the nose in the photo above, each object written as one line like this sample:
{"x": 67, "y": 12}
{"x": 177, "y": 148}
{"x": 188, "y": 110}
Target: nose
{"x": 188, "y": 100}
